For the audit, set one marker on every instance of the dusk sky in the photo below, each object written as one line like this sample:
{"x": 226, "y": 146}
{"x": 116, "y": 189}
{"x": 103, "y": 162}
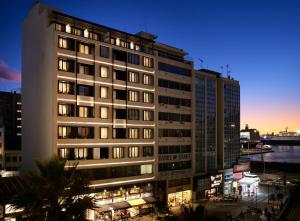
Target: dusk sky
{"x": 258, "y": 39}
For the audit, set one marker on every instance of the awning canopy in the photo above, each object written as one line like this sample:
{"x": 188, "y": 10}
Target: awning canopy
{"x": 137, "y": 202}
{"x": 248, "y": 180}
{"x": 149, "y": 199}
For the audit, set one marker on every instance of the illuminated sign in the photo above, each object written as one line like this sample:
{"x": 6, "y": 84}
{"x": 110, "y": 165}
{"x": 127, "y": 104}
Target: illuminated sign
{"x": 216, "y": 180}
{"x": 245, "y": 135}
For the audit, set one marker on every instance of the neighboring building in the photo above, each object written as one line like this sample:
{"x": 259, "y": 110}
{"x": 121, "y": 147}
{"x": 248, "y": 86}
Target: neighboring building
{"x": 122, "y": 106}
{"x": 228, "y": 122}
{"x": 10, "y": 133}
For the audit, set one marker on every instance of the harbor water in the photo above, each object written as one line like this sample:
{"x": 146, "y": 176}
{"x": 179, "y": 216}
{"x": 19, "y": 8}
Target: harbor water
{"x": 289, "y": 154}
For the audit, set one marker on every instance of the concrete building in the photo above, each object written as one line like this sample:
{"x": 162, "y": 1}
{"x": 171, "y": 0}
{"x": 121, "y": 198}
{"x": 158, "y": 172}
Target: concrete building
{"x": 228, "y": 122}
{"x": 10, "y": 130}
{"x": 121, "y": 105}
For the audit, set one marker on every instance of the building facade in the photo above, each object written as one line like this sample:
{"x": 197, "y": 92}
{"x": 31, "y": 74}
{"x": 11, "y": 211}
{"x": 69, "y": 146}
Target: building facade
{"x": 10, "y": 130}
{"x": 120, "y": 105}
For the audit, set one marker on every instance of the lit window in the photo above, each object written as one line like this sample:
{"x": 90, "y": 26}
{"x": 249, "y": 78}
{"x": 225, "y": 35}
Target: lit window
{"x": 137, "y": 48}
{"x": 148, "y": 115}
{"x": 148, "y": 62}
{"x": 133, "y": 152}
{"x": 65, "y": 87}
{"x": 62, "y": 43}
{"x": 118, "y": 152}
{"x": 62, "y": 65}
{"x": 133, "y": 77}
{"x": 103, "y": 71}
{"x": 103, "y": 132}
{"x": 63, "y": 153}
{"x": 58, "y": 27}
{"x": 147, "y": 133}
{"x": 103, "y": 92}
{"x": 65, "y": 110}
{"x": 118, "y": 41}
{"x": 85, "y": 49}
{"x": 86, "y": 33}
{"x": 133, "y": 133}
{"x": 68, "y": 28}
{"x": 83, "y": 112}
{"x": 131, "y": 45}
{"x": 146, "y": 169}
{"x": 148, "y": 97}
{"x": 133, "y": 96}
{"x": 62, "y": 132}
{"x": 104, "y": 112}
{"x": 77, "y": 31}
{"x": 147, "y": 79}
{"x": 80, "y": 153}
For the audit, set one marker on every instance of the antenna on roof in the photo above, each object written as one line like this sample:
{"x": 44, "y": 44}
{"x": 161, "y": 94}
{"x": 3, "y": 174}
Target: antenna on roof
{"x": 201, "y": 63}
{"x": 228, "y": 71}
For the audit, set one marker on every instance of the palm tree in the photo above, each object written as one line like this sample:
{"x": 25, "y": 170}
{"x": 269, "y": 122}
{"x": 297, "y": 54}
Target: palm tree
{"x": 189, "y": 213}
{"x": 55, "y": 193}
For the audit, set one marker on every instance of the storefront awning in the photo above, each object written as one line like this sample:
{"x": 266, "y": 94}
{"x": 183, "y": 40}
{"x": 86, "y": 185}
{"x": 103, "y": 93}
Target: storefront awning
{"x": 248, "y": 180}
{"x": 149, "y": 199}
{"x": 137, "y": 202}
{"x": 114, "y": 206}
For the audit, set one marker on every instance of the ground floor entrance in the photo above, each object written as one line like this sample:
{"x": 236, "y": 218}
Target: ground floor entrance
{"x": 179, "y": 198}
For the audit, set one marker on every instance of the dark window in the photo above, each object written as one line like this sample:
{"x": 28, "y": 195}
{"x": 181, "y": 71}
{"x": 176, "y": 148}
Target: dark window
{"x": 148, "y": 151}
{"x": 133, "y": 59}
{"x": 84, "y": 90}
{"x": 104, "y": 52}
{"x": 120, "y": 94}
{"x": 120, "y": 113}
{"x": 174, "y": 85}
{"x": 120, "y": 75}
{"x": 119, "y": 133}
{"x": 104, "y": 153}
{"x": 119, "y": 55}
{"x": 85, "y": 69}
{"x": 174, "y": 101}
{"x": 133, "y": 114}
{"x": 174, "y": 69}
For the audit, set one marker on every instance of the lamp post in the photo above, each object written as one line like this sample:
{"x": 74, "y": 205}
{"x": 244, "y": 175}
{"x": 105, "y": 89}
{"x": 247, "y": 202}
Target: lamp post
{"x": 256, "y": 196}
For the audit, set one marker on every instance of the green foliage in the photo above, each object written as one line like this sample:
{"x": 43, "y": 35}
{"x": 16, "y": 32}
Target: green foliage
{"x": 55, "y": 193}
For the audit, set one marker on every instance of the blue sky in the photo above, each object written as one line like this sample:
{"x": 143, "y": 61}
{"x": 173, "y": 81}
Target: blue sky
{"x": 259, "y": 39}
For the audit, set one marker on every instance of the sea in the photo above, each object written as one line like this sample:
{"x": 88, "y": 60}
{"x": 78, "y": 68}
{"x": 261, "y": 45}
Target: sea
{"x": 289, "y": 154}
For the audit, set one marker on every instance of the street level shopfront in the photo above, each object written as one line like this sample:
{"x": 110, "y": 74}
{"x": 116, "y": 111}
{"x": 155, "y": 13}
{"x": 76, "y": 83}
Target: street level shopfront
{"x": 122, "y": 203}
{"x": 228, "y": 182}
{"x": 179, "y": 192}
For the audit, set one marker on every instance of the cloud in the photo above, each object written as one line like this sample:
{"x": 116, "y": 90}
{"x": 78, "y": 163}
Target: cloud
{"x": 7, "y": 73}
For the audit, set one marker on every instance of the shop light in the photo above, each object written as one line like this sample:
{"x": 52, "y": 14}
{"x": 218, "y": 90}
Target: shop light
{"x": 121, "y": 182}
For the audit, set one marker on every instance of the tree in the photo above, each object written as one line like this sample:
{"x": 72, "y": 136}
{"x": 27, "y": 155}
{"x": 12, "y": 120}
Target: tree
{"x": 189, "y": 213}
{"x": 55, "y": 192}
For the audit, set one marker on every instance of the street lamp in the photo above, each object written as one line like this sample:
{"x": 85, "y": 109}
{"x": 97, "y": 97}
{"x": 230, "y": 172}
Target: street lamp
{"x": 256, "y": 196}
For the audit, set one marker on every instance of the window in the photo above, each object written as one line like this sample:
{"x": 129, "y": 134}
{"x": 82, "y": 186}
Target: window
{"x": 148, "y": 97}
{"x": 133, "y": 96}
{"x": 85, "y": 111}
{"x": 68, "y": 28}
{"x": 119, "y": 133}
{"x": 133, "y": 59}
{"x": 65, "y": 65}
{"x": 146, "y": 169}
{"x": 85, "y": 69}
{"x": 77, "y": 31}
{"x": 80, "y": 153}
{"x": 65, "y": 110}
{"x": 133, "y": 152}
{"x": 174, "y": 69}
{"x": 58, "y": 27}
{"x": 62, "y": 42}
{"x": 147, "y": 133}
{"x": 103, "y": 71}
{"x": 85, "y": 90}
{"x": 133, "y": 77}
{"x": 123, "y": 44}
{"x": 147, "y": 79}
{"x": 104, "y": 112}
{"x": 133, "y": 133}
{"x": 148, "y": 115}
{"x": 118, "y": 152}
{"x": 94, "y": 36}
{"x": 104, "y": 153}
{"x": 85, "y": 132}
{"x": 104, "y": 51}
{"x": 65, "y": 87}
{"x": 133, "y": 114}
{"x": 62, "y": 132}
{"x": 103, "y": 132}
{"x": 119, "y": 55}
{"x": 120, "y": 75}
{"x": 120, "y": 94}
{"x": 85, "y": 49}
{"x": 103, "y": 92}
{"x": 148, "y": 62}
{"x": 120, "y": 114}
